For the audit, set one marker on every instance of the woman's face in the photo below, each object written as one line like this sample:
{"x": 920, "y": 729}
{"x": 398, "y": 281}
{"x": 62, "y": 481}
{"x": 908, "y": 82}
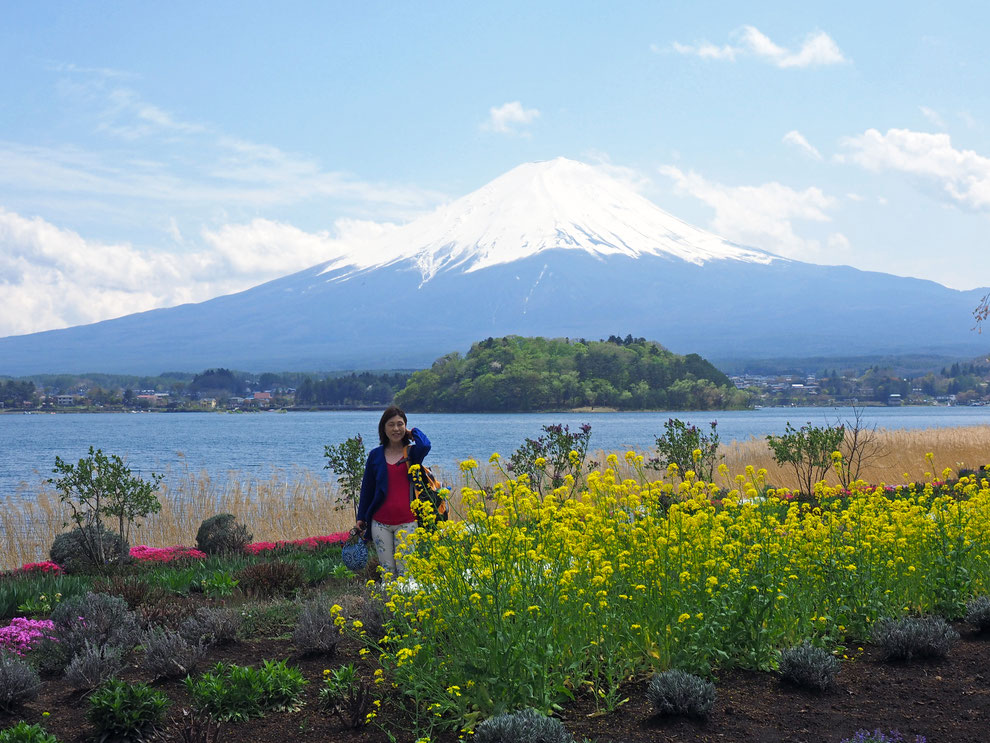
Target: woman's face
{"x": 395, "y": 429}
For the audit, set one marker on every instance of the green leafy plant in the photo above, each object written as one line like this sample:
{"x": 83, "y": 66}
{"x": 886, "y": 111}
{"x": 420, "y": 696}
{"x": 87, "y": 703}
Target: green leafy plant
{"x": 347, "y": 461}
{"x": 808, "y": 451}
{"x": 272, "y": 619}
{"x": 221, "y": 534}
{"x": 24, "y": 733}
{"x": 688, "y": 447}
{"x": 19, "y": 682}
{"x": 121, "y": 711}
{"x": 675, "y": 692}
{"x": 914, "y": 637}
{"x": 552, "y": 456}
{"x": 219, "y": 585}
{"x": 99, "y": 487}
{"x": 193, "y": 727}
{"x": 346, "y": 695}
{"x": 808, "y": 666}
{"x": 524, "y": 726}
{"x": 232, "y": 692}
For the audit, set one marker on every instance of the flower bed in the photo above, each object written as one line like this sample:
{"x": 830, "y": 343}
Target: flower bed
{"x": 22, "y": 634}
{"x": 165, "y": 554}
{"x": 307, "y": 543}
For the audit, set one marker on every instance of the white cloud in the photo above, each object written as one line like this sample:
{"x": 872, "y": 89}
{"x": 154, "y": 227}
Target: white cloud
{"x": 761, "y": 216}
{"x": 838, "y": 244}
{"x": 52, "y": 277}
{"x": 817, "y": 49}
{"x": 963, "y": 175}
{"x": 506, "y": 118}
{"x": 932, "y": 115}
{"x": 797, "y": 139}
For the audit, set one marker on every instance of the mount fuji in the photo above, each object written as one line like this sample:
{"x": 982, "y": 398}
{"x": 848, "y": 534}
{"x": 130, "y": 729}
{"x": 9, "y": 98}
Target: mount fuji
{"x": 557, "y": 249}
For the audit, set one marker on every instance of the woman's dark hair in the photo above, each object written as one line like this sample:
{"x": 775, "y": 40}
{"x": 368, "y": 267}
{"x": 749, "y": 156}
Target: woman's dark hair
{"x": 388, "y": 415}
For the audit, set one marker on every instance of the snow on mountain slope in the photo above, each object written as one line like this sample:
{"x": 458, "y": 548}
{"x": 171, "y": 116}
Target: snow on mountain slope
{"x": 540, "y": 206}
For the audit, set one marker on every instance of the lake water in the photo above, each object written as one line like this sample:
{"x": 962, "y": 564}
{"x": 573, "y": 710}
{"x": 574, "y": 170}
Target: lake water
{"x": 257, "y": 444}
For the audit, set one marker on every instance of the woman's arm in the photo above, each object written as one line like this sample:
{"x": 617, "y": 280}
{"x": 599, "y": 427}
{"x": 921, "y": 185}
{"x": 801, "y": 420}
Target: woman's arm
{"x": 419, "y": 447}
{"x": 367, "y": 492}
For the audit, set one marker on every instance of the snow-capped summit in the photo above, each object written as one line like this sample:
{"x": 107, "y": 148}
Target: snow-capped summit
{"x": 540, "y": 206}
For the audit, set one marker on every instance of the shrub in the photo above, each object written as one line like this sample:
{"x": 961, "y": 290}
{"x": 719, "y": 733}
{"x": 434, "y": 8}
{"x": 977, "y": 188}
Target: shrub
{"x": 554, "y": 449}
{"x": 675, "y": 692}
{"x": 689, "y": 448}
{"x": 24, "y": 733}
{"x": 74, "y": 550}
{"x": 347, "y": 461}
{"x": 168, "y": 654}
{"x": 316, "y": 632}
{"x": 271, "y": 579}
{"x": 232, "y": 692}
{"x": 274, "y": 619}
{"x": 914, "y": 637}
{"x": 92, "y": 665}
{"x": 165, "y": 611}
{"x": 92, "y": 619}
{"x": 344, "y": 694}
{"x": 133, "y": 590}
{"x": 808, "y": 666}
{"x": 808, "y": 451}
{"x": 19, "y": 682}
{"x": 222, "y": 534}
{"x": 212, "y": 626}
{"x": 524, "y": 726}
{"x": 102, "y": 486}
{"x": 978, "y": 613}
{"x": 127, "y": 712}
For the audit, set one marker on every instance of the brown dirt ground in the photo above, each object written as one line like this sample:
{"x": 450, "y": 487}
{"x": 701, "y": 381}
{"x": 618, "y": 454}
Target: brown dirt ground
{"x": 947, "y": 701}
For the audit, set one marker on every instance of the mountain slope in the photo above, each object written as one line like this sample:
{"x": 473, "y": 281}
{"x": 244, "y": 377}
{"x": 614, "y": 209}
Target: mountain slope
{"x": 553, "y": 249}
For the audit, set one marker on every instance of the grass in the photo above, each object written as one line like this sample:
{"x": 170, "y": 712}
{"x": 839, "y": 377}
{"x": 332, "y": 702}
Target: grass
{"x": 292, "y": 505}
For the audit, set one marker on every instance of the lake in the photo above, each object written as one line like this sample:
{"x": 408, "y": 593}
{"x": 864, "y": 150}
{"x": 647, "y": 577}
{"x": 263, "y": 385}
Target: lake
{"x": 256, "y": 445}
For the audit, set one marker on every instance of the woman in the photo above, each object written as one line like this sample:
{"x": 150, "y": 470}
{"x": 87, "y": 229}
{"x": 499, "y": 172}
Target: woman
{"x": 385, "y": 489}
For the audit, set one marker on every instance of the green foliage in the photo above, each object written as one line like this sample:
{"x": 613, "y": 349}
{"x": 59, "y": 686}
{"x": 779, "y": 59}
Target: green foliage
{"x": 364, "y": 388}
{"x": 24, "y": 733}
{"x": 99, "y": 487}
{"x": 19, "y": 682}
{"x": 551, "y": 457}
{"x": 808, "y": 666}
{"x": 79, "y": 550}
{"x": 914, "y": 637}
{"x": 232, "y": 692}
{"x": 221, "y": 534}
{"x": 24, "y": 590}
{"x": 689, "y": 448}
{"x": 346, "y": 695}
{"x": 808, "y": 451}
{"x": 216, "y": 383}
{"x": 271, "y": 579}
{"x": 275, "y": 619}
{"x": 219, "y": 585}
{"x": 675, "y": 692}
{"x": 517, "y": 374}
{"x": 124, "y": 712}
{"x": 524, "y": 726}
{"x": 347, "y": 461}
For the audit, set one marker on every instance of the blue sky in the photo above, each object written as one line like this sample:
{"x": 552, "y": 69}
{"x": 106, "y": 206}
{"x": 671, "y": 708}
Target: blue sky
{"x": 152, "y": 154}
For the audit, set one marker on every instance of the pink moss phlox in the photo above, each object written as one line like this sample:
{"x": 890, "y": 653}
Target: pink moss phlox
{"x": 40, "y": 567}
{"x": 165, "y": 554}
{"x": 22, "y": 634}
{"x": 307, "y": 542}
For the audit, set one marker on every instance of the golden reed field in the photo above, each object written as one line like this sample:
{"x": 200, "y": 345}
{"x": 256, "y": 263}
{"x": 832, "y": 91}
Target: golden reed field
{"x": 296, "y": 504}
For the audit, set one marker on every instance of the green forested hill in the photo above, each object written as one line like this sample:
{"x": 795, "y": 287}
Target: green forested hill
{"x": 523, "y": 374}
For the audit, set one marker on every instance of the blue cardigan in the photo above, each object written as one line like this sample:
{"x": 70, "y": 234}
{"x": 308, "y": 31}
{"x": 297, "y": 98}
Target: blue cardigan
{"x": 375, "y": 483}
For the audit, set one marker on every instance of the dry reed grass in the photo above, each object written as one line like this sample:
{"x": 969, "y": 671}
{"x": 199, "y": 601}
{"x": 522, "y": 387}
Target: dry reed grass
{"x": 296, "y": 504}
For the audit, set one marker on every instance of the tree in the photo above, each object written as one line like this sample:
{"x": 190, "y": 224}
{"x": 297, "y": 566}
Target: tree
{"x": 347, "y": 462}
{"x": 100, "y": 486}
{"x": 982, "y": 311}
{"x": 808, "y": 451}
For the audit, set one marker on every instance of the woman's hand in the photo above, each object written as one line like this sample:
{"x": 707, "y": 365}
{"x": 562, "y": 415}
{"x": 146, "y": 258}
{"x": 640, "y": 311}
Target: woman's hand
{"x": 359, "y": 527}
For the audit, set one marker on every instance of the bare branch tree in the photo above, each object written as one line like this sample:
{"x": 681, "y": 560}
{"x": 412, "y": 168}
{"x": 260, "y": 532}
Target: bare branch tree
{"x": 861, "y": 447}
{"x": 982, "y": 312}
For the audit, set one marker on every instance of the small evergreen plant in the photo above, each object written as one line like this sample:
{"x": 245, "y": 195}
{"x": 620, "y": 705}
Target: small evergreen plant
{"x": 524, "y": 726}
{"x": 676, "y": 692}
{"x": 221, "y": 534}
{"x": 914, "y": 637}
{"x": 808, "y": 666}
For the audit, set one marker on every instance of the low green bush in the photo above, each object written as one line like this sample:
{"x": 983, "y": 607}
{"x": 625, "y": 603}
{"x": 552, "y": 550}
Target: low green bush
{"x": 24, "y": 733}
{"x": 221, "y": 534}
{"x": 73, "y": 550}
{"x": 232, "y": 692}
{"x": 346, "y": 695}
{"x": 127, "y": 712}
{"x": 675, "y": 692}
